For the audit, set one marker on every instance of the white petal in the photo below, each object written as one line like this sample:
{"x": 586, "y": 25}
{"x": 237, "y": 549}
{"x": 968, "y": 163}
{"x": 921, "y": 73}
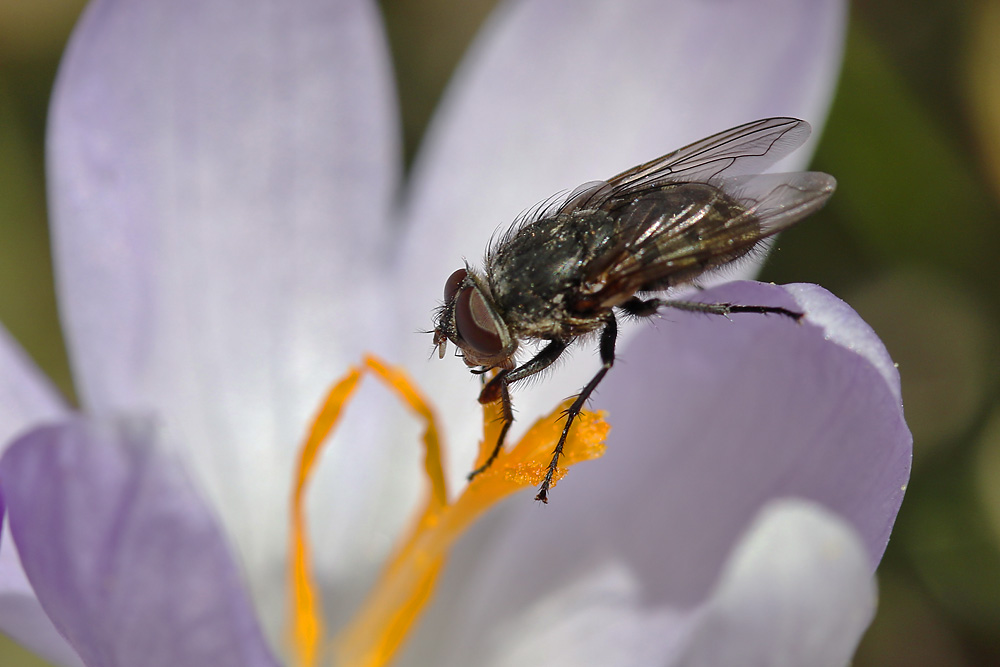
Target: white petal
{"x": 597, "y": 620}
{"x": 796, "y": 591}
{"x": 221, "y": 174}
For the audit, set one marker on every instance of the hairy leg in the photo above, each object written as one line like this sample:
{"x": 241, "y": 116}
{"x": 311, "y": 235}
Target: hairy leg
{"x": 648, "y": 307}
{"x": 497, "y": 389}
{"x": 608, "y": 337}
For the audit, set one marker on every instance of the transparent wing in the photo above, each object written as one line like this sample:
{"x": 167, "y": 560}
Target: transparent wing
{"x": 747, "y": 149}
{"x": 664, "y": 245}
{"x": 777, "y": 201}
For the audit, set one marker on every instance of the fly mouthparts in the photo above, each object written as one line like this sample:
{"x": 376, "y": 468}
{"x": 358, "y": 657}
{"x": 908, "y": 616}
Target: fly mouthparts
{"x": 441, "y": 342}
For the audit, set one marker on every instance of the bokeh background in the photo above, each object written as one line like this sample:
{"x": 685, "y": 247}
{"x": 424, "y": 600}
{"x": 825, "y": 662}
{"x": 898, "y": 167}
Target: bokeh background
{"x": 911, "y": 240}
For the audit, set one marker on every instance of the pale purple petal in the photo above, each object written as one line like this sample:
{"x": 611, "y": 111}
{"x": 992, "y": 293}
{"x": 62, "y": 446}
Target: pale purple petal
{"x": 27, "y": 398}
{"x": 844, "y": 327}
{"x": 556, "y": 93}
{"x": 125, "y": 559}
{"x": 711, "y": 419}
{"x": 21, "y": 615}
{"x": 221, "y": 175}
{"x": 736, "y": 412}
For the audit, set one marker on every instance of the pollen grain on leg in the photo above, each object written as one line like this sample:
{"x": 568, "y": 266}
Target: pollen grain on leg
{"x": 407, "y": 581}
{"x": 527, "y": 462}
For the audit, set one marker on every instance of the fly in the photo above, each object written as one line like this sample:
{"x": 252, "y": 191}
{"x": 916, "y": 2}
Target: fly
{"x": 566, "y": 269}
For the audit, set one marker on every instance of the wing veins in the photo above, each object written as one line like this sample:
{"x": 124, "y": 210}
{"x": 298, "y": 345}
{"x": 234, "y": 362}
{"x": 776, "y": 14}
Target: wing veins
{"x": 757, "y": 145}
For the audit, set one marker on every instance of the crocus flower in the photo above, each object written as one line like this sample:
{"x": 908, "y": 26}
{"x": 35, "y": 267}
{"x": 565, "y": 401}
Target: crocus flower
{"x": 230, "y": 238}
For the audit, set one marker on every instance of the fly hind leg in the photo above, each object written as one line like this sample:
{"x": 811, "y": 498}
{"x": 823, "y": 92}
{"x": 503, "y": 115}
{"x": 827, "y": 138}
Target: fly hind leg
{"x": 608, "y": 337}
{"x": 648, "y": 307}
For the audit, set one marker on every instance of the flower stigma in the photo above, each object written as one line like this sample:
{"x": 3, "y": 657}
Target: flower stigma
{"x": 408, "y": 578}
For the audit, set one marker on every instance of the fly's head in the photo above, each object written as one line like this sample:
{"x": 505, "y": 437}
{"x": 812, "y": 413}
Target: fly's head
{"x": 470, "y": 321}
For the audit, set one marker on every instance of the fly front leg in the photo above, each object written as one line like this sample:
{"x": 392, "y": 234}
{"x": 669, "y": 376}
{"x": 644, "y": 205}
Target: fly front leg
{"x": 497, "y": 389}
{"x": 507, "y": 416}
{"x": 647, "y": 307}
{"x": 608, "y": 337}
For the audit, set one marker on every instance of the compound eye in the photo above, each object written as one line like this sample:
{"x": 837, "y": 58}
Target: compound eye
{"x": 453, "y": 283}
{"x": 475, "y": 324}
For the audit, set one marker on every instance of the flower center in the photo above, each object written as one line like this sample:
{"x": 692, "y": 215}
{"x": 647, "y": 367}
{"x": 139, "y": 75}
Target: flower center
{"x": 407, "y": 581}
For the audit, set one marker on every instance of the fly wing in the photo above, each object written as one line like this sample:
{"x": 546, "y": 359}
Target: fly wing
{"x": 743, "y": 150}
{"x": 777, "y": 201}
{"x": 671, "y": 236}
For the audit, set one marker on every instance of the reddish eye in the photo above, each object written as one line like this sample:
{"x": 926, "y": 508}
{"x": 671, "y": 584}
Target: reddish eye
{"x": 474, "y": 323}
{"x": 453, "y": 283}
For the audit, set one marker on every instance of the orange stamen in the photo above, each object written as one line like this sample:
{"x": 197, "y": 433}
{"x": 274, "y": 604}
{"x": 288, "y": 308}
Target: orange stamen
{"x": 307, "y": 623}
{"x": 406, "y": 584}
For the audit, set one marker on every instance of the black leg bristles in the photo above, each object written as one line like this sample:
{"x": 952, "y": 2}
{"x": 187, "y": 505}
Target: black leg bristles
{"x": 608, "y": 337}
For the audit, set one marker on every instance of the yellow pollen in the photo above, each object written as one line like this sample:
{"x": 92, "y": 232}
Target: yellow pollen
{"x": 405, "y": 586}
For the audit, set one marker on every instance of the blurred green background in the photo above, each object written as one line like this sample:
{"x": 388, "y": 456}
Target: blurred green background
{"x": 911, "y": 240}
